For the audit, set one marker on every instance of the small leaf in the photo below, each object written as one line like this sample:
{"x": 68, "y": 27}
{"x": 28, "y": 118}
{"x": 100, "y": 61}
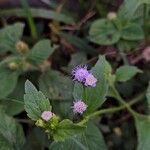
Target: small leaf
{"x": 95, "y": 97}
{"x": 132, "y": 32}
{"x": 8, "y": 81}
{"x": 40, "y": 52}
{"x": 11, "y": 132}
{"x": 104, "y": 32}
{"x": 35, "y": 101}
{"x": 91, "y": 139}
{"x": 9, "y": 36}
{"x": 67, "y": 129}
{"x": 125, "y": 73}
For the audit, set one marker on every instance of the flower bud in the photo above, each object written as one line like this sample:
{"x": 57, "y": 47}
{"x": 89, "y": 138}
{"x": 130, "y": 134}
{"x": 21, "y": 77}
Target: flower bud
{"x": 22, "y": 47}
{"x": 13, "y": 66}
{"x": 40, "y": 123}
{"x": 54, "y": 122}
{"x": 111, "y": 15}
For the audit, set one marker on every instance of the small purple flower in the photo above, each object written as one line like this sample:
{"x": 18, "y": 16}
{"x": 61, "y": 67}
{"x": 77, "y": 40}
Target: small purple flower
{"x": 90, "y": 81}
{"x": 79, "y": 107}
{"x": 47, "y": 115}
{"x": 80, "y": 73}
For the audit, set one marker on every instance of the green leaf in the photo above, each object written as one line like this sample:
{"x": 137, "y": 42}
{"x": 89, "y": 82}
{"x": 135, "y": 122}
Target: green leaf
{"x": 95, "y": 97}
{"x": 17, "y": 106}
{"x": 35, "y": 101}
{"x": 8, "y": 81}
{"x": 143, "y": 132}
{"x": 67, "y": 129}
{"x": 104, "y": 32}
{"x": 125, "y": 73}
{"x": 40, "y": 52}
{"x": 91, "y": 139}
{"x": 39, "y": 13}
{"x": 9, "y": 36}
{"x": 11, "y": 132}
{"x": 55, "y": 85}
{"x": 132, "y": 32}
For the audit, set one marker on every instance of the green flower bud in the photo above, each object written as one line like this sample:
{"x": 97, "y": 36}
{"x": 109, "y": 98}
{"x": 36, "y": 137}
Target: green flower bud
{"x": 13, "y": 66}
{"x": 111, "y": 15}
{"x": 22, "y": 47}
{"x": 40, "y": 123}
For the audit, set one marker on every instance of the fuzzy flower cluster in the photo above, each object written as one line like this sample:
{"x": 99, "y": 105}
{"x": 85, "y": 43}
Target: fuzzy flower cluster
{"x": 82, "y": 75}
{"x": 79, "y": 107}
{"x": 47, "y": 115}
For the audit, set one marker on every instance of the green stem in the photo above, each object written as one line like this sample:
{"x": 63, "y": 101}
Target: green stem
{"x": 29, "y": 19}
{"x": 114, "y": 109}
{"x": 121, "y": 100}
{"x": 145, "y": 20}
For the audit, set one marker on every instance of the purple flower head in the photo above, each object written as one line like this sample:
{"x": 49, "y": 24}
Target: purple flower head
{"x": 79, "y": 107}
{"x": 47, "y": 115}
{"x": 80, "y": 73}
{"x": 90, "y": 81}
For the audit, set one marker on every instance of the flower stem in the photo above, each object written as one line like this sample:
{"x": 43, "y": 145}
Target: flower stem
{"x": 114, "y": 109}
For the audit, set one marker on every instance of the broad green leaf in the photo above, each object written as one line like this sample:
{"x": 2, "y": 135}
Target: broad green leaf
{"x": 9, "y": 36}
{"x": 15, "y": 103}
{"x": 35, "y": 101}
{"x": 11, "y": 132}
{"x": 95, "y": 97}
{"x": 39, "y": 13}
{"x": 91, "y": 139}
{"x": 5, "y": 145}
{"x": 132, "y": 32}
{"x": 104, "y": 32}
{"x": 56, "y": 85}
{"x": 143, "y": 132}
{"x": 40, "y": 52}
{"x": 67, "y": 129}
{"x": 125, "y": 73}
{"x": 8, "y": 81}
{"x": 129, "y": 7}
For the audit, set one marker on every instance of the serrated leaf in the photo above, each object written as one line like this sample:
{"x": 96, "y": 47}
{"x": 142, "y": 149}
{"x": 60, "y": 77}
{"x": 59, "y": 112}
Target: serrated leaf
{"x": 8, "y": 81}
{"x": 67, "y": 129}
{"x": 125, "y": 73}
{"x": 9, "y": 36}
{"x": 95, "y": 97}
{"x": 132, "y": 32}
{"x": 104, "y": 32}
{"x": 56, "y": 85}
{"x": 35, "y": 101}
{"x": 40, "y": 52}
{"x": 91, "y": 139}
{"x": 11, "y": 132}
